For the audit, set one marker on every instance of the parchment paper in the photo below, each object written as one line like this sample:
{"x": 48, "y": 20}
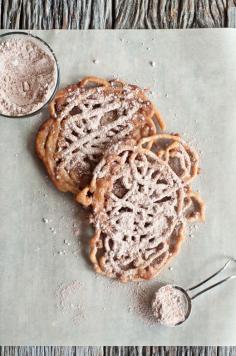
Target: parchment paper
{"x": 193, "y": 81}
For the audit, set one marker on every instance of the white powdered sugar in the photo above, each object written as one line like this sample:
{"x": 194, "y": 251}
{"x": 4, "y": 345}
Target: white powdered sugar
{"x": 141, "y": 212}
{"x": 92, "y": 120}
{"x": 141, "y": 205}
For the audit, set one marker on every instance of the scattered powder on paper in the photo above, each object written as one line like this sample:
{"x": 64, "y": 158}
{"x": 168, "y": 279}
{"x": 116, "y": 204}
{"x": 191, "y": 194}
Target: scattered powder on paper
{"x": 138, "y": 295}
{"x": 191, "y": 230}
{"x": 76, "y": 230}
{"x": 28, "y": 76}
{"x": 141, "y": 303}
{"x": 70, "y": 300}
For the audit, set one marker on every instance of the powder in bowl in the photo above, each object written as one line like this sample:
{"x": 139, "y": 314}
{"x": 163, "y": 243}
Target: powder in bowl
{"x": 28, "y": 74}
{"x": 169, "y": 305}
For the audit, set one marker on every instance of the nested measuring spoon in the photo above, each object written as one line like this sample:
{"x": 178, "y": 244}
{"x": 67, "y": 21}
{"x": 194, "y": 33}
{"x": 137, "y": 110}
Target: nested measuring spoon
{"x": 172, "y": 304}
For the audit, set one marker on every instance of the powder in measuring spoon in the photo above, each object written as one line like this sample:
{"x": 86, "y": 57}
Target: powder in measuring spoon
{"x": 169, "y": 305}
{"x": 28, "y": 75}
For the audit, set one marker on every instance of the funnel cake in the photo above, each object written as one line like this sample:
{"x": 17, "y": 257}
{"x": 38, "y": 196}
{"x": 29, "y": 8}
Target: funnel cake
{"x": 87, "y": 118}
{"x": 141, "y": 203}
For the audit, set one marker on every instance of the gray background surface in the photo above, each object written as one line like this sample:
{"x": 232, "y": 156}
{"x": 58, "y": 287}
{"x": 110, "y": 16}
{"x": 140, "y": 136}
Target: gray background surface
{"x": 119, "y": 350}
{"x": 197, "y": 72}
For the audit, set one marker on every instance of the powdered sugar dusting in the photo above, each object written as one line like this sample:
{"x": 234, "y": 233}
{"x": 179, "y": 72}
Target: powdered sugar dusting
{"x": 89, "y": 136}
{"x": 147, "y": 203}
{"x": 141, "y": 212}
{"x": 92, "y": 119}
{"x": 70, "y": 300}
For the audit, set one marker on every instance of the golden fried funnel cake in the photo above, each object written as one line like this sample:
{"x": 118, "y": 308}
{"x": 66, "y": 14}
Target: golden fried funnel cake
{"x": 87, "y": 118}
{"x": 140, "y": 205}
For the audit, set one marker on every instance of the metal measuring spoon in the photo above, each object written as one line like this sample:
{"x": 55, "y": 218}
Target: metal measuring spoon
{"x": 188, "y": 298}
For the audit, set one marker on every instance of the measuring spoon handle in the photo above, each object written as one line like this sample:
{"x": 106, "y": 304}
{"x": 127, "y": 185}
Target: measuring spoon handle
{"x": 214, "y": 285}
{"x": 213, "y": 275}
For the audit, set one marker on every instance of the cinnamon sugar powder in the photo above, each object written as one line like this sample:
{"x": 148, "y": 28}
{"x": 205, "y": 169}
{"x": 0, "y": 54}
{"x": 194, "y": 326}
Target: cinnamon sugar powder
{"x": 28, "y": 75}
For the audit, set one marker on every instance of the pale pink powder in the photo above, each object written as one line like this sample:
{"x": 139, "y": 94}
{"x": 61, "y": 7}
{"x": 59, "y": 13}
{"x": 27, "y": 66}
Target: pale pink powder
{"x": 169, "y": 305}
{"x": 28, "y": 76}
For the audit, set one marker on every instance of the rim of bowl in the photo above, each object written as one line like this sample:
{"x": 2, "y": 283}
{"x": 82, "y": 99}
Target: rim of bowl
{"x": 33, "y": 113}
{"x": 189, "y": 303}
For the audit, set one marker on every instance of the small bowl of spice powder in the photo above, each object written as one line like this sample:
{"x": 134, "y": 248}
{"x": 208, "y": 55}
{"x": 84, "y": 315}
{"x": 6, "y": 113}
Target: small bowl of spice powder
{"x": 29, "y": 74}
